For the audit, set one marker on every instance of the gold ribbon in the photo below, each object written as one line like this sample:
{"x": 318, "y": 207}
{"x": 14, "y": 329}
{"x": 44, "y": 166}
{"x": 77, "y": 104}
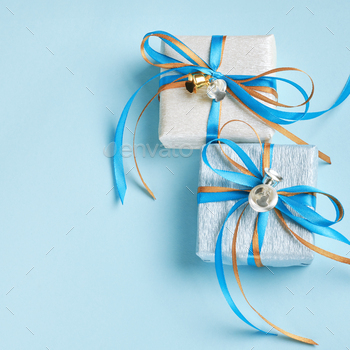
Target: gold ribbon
{"x": 235, "y": 270}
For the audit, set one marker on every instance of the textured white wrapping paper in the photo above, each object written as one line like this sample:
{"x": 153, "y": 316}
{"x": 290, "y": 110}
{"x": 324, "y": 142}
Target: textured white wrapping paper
{"x": 183, "y": 116}
{"x": 298, "y": 166}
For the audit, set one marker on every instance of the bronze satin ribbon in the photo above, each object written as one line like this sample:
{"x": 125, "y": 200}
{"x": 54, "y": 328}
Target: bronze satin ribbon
{"x": 133, "y": 142}
{"x": 255, "y": 239}
{"x": 235, "y": 270}
{"x": 241, "y": 168}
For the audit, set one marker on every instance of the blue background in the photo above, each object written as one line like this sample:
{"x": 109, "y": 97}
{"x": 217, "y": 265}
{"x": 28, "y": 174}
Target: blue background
{"x": 127, "y": 277}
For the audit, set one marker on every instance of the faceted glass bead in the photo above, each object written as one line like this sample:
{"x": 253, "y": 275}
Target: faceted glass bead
{"x": 217, "y": 89}
{"x": 263, "y": 198}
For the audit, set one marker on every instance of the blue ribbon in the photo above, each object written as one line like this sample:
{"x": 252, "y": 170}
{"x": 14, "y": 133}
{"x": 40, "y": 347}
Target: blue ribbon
{"x": 299, "y": 202}
{"x": 214, "y": 63}
{"x": 273, "y": 115}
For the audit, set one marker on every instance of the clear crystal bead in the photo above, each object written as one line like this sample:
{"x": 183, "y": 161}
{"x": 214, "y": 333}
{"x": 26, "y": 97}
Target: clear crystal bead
{"x": 263, "y": 198}
{"x": 217, "y": 89}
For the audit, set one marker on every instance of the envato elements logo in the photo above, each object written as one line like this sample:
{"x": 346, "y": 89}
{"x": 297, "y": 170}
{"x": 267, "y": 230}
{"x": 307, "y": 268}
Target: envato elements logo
{"x": 126, "y": 151}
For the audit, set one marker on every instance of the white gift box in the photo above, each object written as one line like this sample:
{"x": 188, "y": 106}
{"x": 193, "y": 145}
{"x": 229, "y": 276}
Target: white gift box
{"x": 298, "y": 166}
{"x": 183, "y": 116}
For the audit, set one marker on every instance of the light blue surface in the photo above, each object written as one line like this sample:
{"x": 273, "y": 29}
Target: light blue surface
{"x": 126, "y": 277}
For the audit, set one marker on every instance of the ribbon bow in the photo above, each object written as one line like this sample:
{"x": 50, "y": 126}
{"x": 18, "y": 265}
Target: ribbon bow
{"x": 244, "y": 89}
{"x": 298, "y": 198}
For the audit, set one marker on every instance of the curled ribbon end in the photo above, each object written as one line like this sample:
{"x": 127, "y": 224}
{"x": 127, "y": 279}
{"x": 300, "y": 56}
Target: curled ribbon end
{"x": 310, "y": 341}
{"x": 324, "y": 157}
{"x": 305, "y": 340}
{"x": 151, "y": 193}
{"x": 122, "y": 197}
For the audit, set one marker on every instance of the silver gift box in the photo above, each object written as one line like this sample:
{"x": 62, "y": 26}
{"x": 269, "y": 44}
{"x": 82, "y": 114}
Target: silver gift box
{"x": 297, "y": 165}
{"x": 183, "y": 116}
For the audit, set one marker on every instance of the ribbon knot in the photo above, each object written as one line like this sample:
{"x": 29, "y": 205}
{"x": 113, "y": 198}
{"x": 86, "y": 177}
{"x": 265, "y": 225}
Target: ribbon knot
{"x": 217, "y": 75}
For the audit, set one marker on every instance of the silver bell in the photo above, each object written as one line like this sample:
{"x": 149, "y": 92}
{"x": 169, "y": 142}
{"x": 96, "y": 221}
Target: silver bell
{"x": 264, "y": 197}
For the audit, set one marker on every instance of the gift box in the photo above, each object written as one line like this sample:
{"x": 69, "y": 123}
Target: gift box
{"x": 183, "y": 116}
{"x": 297, "y": 165}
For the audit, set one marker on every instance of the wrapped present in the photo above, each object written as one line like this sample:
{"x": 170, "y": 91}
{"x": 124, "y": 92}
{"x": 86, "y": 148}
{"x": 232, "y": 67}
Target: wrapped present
{"x": 248, "y": 187}
{"x": 183, "y": 116}
{"x": 297, "y": 165}
{"x": 246, "y": 95}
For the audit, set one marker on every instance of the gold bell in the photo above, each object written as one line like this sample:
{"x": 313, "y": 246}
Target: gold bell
{"x": 196, "y": 81}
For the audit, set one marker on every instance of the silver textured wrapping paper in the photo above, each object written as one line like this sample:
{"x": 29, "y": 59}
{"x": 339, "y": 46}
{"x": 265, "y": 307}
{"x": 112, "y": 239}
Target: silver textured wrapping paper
{"x": 183, "y": 116}
{"x": 298, "y": 166}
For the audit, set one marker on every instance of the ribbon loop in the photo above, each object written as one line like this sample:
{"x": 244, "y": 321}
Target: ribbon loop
{"x": 242, "y": 179}
{"x": 216, "y": 51}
